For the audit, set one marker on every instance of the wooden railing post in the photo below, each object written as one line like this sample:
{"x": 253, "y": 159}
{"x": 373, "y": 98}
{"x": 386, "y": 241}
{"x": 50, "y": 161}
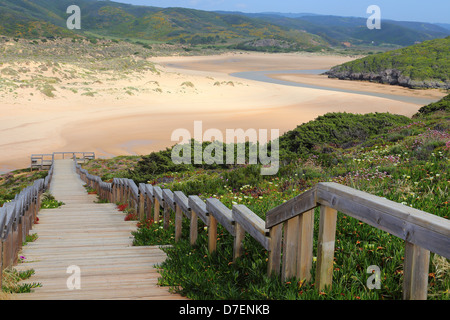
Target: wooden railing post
{"x": 158, "y": 202}
{"x": 156, "y": 211}
{"x": 21, "y": 236}
{"x": 238, "y": 247}
{"x": 193, "y": 232}
{"x": 178, "y": 223}
{"x": 14, "y": 246}
{"x": 198, "y": 210}
{"x": 128, "y": 198}
{"x": 181, "y": 207}
{"x": 141, "y": 206}
{"x": 142, "y": 196}
{"x": 212, "y": 234}
{"x": 114, "y": 192}
{"x": 7, "y": 251}
{"x": 38, "y": 206}
{"x": 415, "y": 272}
{"x": 121, "y": 193}
{"x": 290, "y": 248}
{"x": 274, "y": 261}
{"x": 1, "y": 264}
{"x": 305, "y": 248}
{"x": 148, "y": 211}
{"x": 166, "y": 215}
{"x": 325, "y": 247}
{"x": 119, "y": 197}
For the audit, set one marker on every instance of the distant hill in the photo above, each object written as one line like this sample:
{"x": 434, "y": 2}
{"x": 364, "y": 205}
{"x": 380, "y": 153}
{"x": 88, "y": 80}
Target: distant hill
{"x": 444, "y": 25}
{"x": 27, "y": 19}
{"x": 424, "y": 65}
{"x": 286, "y": 31}
{"x": 354, "y": 30}
{"x": 271, "y": 14}
{"x": 113, "y": 19}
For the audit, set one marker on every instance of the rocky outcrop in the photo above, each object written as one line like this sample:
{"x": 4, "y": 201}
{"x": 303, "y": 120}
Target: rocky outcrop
{"x": 388, "y": 76}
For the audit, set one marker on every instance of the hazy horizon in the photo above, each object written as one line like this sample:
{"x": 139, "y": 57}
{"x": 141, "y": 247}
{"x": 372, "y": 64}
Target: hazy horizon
{"x": 432, "y": 11}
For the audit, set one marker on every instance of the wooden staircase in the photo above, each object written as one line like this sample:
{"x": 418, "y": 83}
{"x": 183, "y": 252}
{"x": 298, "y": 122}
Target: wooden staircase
{"x": 94, "y": 238}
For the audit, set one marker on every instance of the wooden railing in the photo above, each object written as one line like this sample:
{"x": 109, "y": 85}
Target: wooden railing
{"x": 288, "y": 231}
{"x": 45, "y": 161}
{"x": 80, "y": 156}
{"x": 41, "y": 161}
{"x": 17, "y": 219}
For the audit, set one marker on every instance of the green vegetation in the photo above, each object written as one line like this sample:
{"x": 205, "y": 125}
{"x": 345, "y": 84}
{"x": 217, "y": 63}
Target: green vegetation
{"x": 49, "y": 68}
{"x": 424, "y": 65}
{"x": 334, "y": 131}
{"x": 118, "y": 167}
{"x": 30, "y": 238}
{"x": 11, "y": 279}
{"x": 161, "y": 31}
{"x": 441, "y": 105}
{"x": 15, "y": 181}
{"x": 188, "y": 84}
{"x": 401, "y": 159}
{"x": 48, "y": 201}
{"x": 199, "y": 30}
{"x": 46, "y": 18}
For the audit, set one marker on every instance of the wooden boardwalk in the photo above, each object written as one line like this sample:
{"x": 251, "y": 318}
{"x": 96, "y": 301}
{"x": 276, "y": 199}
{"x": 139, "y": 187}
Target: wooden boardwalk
{"x": 93, "y": 237}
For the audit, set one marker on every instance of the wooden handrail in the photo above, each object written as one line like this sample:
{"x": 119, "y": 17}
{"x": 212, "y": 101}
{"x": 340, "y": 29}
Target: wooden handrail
{"x": 289, "y": 228}
{"x": 17, "y": 219}
{"x": 296, "y": 206}
{"x": 415, "y": 226}
{"x": 39, "y": 161}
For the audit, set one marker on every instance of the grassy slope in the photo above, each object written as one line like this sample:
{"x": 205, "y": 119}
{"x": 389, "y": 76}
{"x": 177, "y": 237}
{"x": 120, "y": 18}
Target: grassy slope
{"x": 13, "y": 182}
{"x": 407, "y": 162}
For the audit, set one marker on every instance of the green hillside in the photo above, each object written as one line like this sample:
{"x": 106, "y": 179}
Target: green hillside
{"x": 47, "y": 18}
{"x": 424, "y": 65}
{"x": 21, "y": 19}
{"x": 404, "y": 160}
{"x": 112, "y": 19}
{"x": 441, "y": 105}
{"x": 353, "y": 30}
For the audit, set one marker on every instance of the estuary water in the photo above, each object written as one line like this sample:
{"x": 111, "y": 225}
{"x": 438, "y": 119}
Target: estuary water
{"x": 264, "y": 77}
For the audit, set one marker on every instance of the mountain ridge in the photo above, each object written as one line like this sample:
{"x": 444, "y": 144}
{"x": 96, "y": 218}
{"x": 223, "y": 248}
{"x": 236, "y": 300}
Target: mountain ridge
{"x": 47, "y": 18}
{"x": 115, "y": 19}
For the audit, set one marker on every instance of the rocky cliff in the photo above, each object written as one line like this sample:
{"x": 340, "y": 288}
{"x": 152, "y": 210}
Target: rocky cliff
{"x": 388, "y": 76}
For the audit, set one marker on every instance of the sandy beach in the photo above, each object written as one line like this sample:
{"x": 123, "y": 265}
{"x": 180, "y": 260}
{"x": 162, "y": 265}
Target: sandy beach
{"x": 137, "y": 115}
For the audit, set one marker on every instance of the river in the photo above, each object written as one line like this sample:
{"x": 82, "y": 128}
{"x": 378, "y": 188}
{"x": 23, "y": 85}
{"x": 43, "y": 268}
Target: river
{"x": 264, "y": 77}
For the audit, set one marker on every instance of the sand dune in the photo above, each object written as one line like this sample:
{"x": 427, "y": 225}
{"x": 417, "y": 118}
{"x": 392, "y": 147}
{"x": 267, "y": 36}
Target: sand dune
{"x": 116, "y": 122}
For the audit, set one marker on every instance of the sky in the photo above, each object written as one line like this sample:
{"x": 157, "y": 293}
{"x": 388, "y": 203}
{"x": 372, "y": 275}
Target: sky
{"x": 404, "y": 10}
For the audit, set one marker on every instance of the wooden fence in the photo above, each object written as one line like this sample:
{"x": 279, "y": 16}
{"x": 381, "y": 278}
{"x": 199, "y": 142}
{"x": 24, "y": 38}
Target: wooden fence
{"x": 288, "y": 231}
{"x": 45, "y": 161}
{"x": 17, "y": 219}
{"x": 41, "y": 161}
